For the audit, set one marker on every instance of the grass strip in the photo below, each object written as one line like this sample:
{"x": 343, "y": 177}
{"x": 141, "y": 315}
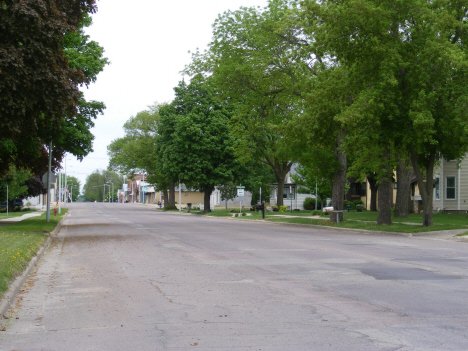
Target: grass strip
{"x": 395, "y": 227}
{"x": 19, "y": 242}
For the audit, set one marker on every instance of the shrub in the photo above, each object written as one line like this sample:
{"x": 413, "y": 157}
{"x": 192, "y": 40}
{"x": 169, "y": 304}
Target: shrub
{"x": 309, "y": 202}
{"x": 296, "y": 209}
{"x": 167, "y": 208}
{"x": 358, "y": 202}
{"x": 244, "y": 214}
{"x": 283, "y": 208}
{"x": 351, "y": 205}
{"x": 316, "y": 213}
{"x": 275, "y": 208}
{"x": 359, "y": 207}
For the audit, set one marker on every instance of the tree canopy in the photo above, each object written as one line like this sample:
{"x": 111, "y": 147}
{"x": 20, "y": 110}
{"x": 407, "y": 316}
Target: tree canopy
{"x": 194, "y": 143}
{"x": 408, "y": 64}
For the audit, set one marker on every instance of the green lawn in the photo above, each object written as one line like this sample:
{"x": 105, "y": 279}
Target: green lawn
{"x": 19, "y": 242}
{"x": 356, "y": 220}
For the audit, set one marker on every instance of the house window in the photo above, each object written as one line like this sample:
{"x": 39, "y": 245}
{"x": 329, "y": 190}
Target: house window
{"x": 287, "y": 195}
{"x": 437, "y": 189}
{"x": 356, "y": 189}
{"x": 450, "y": 188}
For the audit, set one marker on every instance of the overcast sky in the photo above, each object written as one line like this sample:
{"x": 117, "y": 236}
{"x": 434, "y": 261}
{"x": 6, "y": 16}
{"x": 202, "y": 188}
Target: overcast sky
{"x": 147, "y": 42}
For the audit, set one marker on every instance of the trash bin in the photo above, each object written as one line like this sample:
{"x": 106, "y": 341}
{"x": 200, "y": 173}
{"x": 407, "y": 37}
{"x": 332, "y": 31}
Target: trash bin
{"x": 189, "y": 206}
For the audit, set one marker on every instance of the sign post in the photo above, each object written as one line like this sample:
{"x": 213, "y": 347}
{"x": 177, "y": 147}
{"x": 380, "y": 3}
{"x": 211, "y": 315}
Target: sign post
{"x": 240, "y": 194}
{"x": 290, "y": 195}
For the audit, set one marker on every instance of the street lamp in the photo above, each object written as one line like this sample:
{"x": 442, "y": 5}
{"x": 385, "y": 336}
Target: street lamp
{"x": 112, "y": 196}
{"x": 104, "y": 193}
{"x": 71, "y": 197}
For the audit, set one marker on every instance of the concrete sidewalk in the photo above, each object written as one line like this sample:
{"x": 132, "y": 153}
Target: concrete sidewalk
{"x": 20, "y": 218}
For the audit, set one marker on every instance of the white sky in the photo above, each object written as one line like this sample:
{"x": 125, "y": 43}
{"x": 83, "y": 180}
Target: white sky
{"x": 147, "y": 42}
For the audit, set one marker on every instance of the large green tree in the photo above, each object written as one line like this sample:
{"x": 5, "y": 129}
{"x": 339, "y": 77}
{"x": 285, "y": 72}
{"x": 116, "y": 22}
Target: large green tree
{"x": 97, "y": 182}
{"x": 15, "y": 180}
{"x": 136, "y": 151}
{"x": 44, "y": 58}
{"x": 258, "y": 59}
{"x": 195, "y": 144}
{"x": 73, "y": 185}
{"x": 409, "y": 62}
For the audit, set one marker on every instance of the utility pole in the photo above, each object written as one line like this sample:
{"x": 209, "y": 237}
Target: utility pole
{"x": 66, "y": 187}
{"x": 60, "y": 193}
{"x": 48, "y": 183}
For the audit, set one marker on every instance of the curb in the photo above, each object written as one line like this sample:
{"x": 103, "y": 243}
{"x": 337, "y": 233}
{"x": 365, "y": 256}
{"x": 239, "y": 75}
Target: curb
{"x": 10, "y": 296}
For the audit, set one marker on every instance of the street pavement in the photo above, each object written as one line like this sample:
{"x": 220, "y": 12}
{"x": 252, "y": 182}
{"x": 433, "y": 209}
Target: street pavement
{"x": 130, "y": 277}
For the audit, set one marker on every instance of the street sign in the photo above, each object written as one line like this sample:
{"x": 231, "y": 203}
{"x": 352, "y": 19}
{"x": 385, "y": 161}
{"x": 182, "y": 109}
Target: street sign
{"x": 240, "y": 192}
{"x": 53, "y": 179}
{"x": 240, "y": 187}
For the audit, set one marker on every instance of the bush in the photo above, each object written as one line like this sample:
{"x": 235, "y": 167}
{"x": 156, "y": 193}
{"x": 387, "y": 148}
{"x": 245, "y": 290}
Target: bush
{"x": 358, "y": 202}
{"x": 296, "y": 209}
{"x": 283, "y": 208}
{"x": 316, "y": 213}
{"x": 275, "y": 208}
{"x": 351, "y": 205}
{"x": 359, "y": 207}
{"x": 308, "y": 203}
{"x": 168, "y": 208}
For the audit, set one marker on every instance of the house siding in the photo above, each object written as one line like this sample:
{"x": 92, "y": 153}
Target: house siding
{"x": 450, "y": 170}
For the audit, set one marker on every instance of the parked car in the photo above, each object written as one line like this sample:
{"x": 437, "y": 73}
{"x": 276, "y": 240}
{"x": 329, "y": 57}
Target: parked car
{"x": 16, "y": 202}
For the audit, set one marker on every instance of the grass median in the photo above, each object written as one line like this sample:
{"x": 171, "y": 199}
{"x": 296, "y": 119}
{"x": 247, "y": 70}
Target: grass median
{"x": 19, "y": 242}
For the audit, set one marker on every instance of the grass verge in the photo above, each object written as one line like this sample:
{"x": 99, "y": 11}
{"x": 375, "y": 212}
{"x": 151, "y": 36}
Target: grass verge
{"x": 358, "y": 220}
{"x": 19, "y": 242}
{"x": 353, "y": 224}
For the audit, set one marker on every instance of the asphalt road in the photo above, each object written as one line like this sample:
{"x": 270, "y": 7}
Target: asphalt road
{"x": 129, "y": 277}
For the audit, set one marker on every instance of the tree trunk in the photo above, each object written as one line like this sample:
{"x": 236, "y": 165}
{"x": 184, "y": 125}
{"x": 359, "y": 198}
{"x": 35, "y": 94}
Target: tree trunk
{"x": 384, "y": 216}
{"x": 425, "y": 187}
{"x": 207, "y": 190}
{"x": 339, "y": 182}
{"x": 404, "y": 176}
{"x": 373, "y": 192}
{"x": 279, "y": 198}
{"x": 171, "y": 199}
{"x": 226, "y": 204}
{"x": 280, "y": 169}
{"x": 165, "y": 197}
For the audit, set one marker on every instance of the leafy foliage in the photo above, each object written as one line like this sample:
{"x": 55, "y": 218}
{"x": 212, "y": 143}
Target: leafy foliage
{"x": 93, "y": 189}
{"x": 194, "y": 142}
